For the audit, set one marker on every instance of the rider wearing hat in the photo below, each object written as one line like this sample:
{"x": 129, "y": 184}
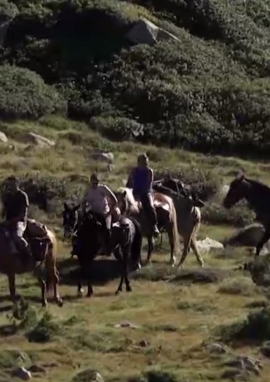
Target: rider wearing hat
{"x": 15, "y": 212}
{"x": 141, "y": 179}
{"x": 102, "y": 202}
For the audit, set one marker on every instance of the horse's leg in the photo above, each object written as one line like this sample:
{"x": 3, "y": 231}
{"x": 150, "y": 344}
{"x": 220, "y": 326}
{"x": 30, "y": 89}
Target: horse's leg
{"x": 42, "y": 283}
{"x": 90, "y": 291}
{"x": 150, "y": 248}
{"x": 12, "y": 287}
{"x": 194, "y": 247}
{"x": 126, "y": 250}
{"x": 53, "y": 278}
{"x": 186, "y": 240}
{"x": 171, "y": 241}
{"x": 264, "y": 239}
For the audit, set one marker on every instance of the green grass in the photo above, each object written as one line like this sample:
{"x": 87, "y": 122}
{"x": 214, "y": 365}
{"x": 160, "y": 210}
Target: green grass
{"x": 173, "y": 320}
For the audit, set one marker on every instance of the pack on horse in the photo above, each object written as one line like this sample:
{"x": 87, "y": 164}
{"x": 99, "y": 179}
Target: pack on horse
{"x": 188, "y": 220}
{"x": 43, "y": 246}
{"x": 257, "y": 195}
{"x": 166, "y": 217}
{"x": 126, "y": 244}
{"x": 26, "y": 245}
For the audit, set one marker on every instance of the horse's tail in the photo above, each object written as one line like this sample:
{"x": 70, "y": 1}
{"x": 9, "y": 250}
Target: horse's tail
{"x": 136, "y": 246}
{"x": 173, "y": 218}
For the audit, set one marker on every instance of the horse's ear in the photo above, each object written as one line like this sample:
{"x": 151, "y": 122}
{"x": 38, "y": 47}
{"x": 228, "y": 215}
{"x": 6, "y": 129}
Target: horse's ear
{"x": 240, "y": 176}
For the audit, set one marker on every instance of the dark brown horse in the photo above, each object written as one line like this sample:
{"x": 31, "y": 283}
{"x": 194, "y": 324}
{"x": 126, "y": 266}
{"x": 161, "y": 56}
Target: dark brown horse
{"x": 257, "y": 195}
{"x": 43, "y": 250}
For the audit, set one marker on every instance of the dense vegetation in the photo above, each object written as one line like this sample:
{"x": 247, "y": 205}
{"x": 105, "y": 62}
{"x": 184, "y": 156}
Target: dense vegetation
{"x": 208, "y": 90}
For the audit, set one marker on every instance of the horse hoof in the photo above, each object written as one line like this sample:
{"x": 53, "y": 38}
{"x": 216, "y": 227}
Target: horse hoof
{"x": 80, "y": 293}
{"x": 59, "y": 302}
{"x": 128, "y": 289}
{"x": 117, "y": 292}
{"x": 44, "y": 304}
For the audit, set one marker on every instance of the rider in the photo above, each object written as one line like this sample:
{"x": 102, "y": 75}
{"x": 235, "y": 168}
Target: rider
{"x": 98, "y": 197}
{"x": 141, "y": 180}
{"x": 15, "y": 212}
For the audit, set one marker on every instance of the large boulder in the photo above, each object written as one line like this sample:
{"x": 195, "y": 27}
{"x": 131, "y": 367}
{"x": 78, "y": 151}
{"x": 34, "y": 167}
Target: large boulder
{"x": 146, "y": 32}
{"x": 260, "y": 270}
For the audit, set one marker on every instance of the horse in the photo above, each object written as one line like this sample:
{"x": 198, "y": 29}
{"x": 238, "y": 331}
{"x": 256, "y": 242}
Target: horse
{"x": 126, "y": 244}
{"x": 43, "y": 245}
{"x": 72, "y": 218}
{"x": 188, "y": 220}
{"x": 257, "y": 195}
{"x": 166, "y": 216}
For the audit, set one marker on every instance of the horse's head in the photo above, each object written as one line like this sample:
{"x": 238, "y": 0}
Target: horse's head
{"x": 122, "y": 199}
{"x": 237, "y": 191}
{"x": 70, "y": 218}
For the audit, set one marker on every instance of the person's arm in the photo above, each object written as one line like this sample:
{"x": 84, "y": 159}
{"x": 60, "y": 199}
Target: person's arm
{"x": 150, "y": 176}
{"x": 129, "y": 183}
{"x": 22, "y": 213}
{"x": 84, "y": 198}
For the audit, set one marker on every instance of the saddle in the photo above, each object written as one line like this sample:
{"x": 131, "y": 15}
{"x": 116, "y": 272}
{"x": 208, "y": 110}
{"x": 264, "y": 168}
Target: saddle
{"x": 36, "y": 234}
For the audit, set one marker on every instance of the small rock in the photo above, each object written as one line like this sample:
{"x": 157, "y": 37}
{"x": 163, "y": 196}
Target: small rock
{"x": 245, "y": 364}
{"x": 126, "y": 325}
{"x": 216, "y": 348}
{"x": 102, "y": 156}
{"x": 22, "y": 373}
{"x": 36, "y": 369}
{"x": 3, "y": 137}
{"x": 207, "y": 245}
{"x": 88, "y": 375}
{"x": 265, "y": 349}
{"x": 39, "y": 140}
{"x": 143, "y": 343}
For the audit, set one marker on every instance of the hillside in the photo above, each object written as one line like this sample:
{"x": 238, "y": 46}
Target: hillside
{"x": 206, "y": 88}
{"x": 69, "y": 74}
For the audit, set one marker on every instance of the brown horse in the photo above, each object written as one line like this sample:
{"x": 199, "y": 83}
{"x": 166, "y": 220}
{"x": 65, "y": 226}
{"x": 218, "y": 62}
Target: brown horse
{"x": 166, "y": 216}
{"x": 43, "y": 247}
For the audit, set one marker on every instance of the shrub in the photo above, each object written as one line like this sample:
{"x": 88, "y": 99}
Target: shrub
{"x": 8, "y": 10}
{"x": 25, "y": 95}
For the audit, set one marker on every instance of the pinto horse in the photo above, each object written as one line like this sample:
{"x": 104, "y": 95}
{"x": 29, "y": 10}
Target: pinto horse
{"x": 257, "y": 195}
{"x": 166, "y": 217}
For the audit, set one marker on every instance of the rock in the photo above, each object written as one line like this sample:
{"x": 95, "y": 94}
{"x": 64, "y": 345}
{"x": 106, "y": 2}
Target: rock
{"x": 39, "y": 140}
{"x": 143, "y": 343}
{"x": 126, "y": 325}
{"x": 243, "y": 363}
{"x": 248, "y": 236}
{"x": 102, "y": 156}
{"x": 201, "y": 275}
{"x": 36, "y": 369}
{"x": 145, "y": 32}
{"x": 265, "y": 349}
{"x": 22, "y": 373}
{"x": 207, "y": 245}
{"x": 88, "y": 375}
{"x": 216, "y": 348}
{"x": 260, "y": 270}
{"x": 3, "y": 137}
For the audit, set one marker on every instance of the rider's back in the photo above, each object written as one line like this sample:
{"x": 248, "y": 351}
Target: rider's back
{"x": 141, "y": 180}
{"x": 98, "y": 199}
{"x": 14, "y": 202}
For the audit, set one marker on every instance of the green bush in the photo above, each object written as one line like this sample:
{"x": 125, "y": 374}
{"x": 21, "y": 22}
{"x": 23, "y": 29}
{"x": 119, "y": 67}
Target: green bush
{"x": 25, "y": 95}
{"x": 210, "y": 94}
{"x": 8, "y": 10}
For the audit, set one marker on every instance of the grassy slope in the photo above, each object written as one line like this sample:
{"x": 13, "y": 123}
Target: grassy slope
{"x": 174, "y": 334}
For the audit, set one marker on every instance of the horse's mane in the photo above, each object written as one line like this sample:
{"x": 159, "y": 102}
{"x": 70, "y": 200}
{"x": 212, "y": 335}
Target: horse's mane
{"x": 259, "y": 184}
{"x": 129, "y": 198}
